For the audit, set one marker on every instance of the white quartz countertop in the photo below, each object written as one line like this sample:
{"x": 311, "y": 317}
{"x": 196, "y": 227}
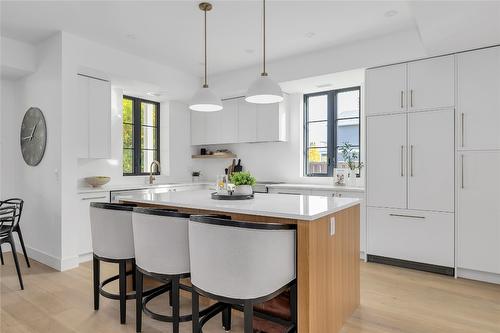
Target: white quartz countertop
{"x": 301, "y": 207}
{"x": 126, "y": 187}
{"x": 326, "y": 187}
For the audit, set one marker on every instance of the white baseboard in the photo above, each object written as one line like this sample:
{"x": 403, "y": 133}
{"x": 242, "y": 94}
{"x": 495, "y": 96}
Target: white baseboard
{"x": 362, "y": 256}
{"x": 85, "y": 257}
{"x": 478, "y": 275}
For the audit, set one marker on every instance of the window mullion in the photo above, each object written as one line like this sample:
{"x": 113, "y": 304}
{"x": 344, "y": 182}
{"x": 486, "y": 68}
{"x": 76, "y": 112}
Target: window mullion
{"x": 137, "y": 136}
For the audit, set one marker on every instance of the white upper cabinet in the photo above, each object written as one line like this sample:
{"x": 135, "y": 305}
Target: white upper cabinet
{"x": 479, "y": 99}
{"x": 386, "y": 161}
{"x": 387, "y": 90}
{"x": 228, "y": 122}
{"x": 198, "y": 127}
{"x": 271, "y": 122}
{"x": 94, "y": 98}
{"x": 479, "y": 211}
{"x": 431, "y": 151}
{"x": 239, "y": 121}
{"x": 247, "y": 121}
{"x": 431, "y": 83}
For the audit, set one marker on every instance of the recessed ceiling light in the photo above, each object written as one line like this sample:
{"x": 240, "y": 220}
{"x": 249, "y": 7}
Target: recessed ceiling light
{"x": 324, "y": 85}
{"x": 310, "y": 34}
{"x": 130, "y": 36}
{"x": 391, "y": 13}
{"x": 249, "y": 51}
{"x": 156, "y": 93}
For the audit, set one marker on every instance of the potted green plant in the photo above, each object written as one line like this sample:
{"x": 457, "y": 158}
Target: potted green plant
{"x": 243, "y": 182}
{"x": 351, "y": 159}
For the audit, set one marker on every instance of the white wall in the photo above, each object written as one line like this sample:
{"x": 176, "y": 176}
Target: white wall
{"x": 18, "y": 58}
{"x": 39, "y": 186}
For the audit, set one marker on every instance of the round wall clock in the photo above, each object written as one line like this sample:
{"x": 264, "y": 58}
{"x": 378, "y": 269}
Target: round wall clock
{"x": 33, "y": 136}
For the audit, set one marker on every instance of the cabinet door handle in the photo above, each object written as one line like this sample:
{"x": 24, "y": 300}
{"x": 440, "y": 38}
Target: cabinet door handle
{"x": 408, "y": 216}
{"x": 411, "y": 160}
{"x": 462, "y": 125}
{"x": 462, "y": 171}
{"x": 411, "y": 98}
{"x": 402, "y": 161}
{"x": 402, "y": 99}
{"x": 93, "y": 198}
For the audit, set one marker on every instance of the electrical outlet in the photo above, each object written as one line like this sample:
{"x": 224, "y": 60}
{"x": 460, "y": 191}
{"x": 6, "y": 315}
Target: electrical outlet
{"x": 332, "y": 226}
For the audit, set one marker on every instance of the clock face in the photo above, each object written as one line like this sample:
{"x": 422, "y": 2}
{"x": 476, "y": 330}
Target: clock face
{"x": 33, "y": 136}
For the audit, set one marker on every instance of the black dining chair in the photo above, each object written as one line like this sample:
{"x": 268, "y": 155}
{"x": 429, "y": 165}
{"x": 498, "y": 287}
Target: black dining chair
{"x": 8, "y": 218}
{"x": 18, "y": 203}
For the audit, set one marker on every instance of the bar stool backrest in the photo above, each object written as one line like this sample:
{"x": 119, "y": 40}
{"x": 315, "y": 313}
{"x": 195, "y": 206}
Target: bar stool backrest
{"x": 240, "y": 260}
{"x": 111, "y": 228}
{"x": 161, "y": 241}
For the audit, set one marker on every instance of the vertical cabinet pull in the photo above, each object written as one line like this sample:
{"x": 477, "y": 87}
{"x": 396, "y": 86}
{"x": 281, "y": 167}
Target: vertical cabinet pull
{"x": 402, "y": 161}
{"x": 411, "y": 160}
{"x": 462, "y": 171}
{"x": 402, "y": 99}
{"x": 462, "y": 128}
{"x": 411, "y": 98}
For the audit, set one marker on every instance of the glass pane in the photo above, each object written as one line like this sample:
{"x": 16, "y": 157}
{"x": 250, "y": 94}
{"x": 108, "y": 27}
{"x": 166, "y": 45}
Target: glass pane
{"x": 148, "y": 114}
{"x": 148, "y": 137}
{"x": 348, "y": 131}
{"x": 128, "y": 136}
{"x": 317, "y": 134}
{"x": 128, "y": 111}
{"x": 353, "y": 157}
{"x": 128, "y": 161}
{"x": 317, "y": 161}
{"x": 147, "y": 156}
{"x": 348, "y": 104}
{"x": 317, "y": 108}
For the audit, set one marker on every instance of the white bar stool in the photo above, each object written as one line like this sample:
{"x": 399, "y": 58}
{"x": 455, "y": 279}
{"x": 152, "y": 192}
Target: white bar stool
{"x": 161, "y": 252}
{"x": 240, "y": 263}
{"x": 112, "y": 241}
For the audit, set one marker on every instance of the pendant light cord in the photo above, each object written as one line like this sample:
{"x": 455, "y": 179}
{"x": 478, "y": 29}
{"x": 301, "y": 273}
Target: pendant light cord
{"x": 205, "y": 85}
{"x": 264, "y": 38}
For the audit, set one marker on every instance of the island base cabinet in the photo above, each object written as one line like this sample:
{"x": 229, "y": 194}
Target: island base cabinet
{"x": 479, "y": 211}
{"x": 328, "y": 271}
{"x": 82, "y": 219}
{"x": 411, "y": 235}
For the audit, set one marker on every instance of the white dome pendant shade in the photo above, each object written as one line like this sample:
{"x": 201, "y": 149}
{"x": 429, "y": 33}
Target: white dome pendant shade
{"x": 264, "y": 90}
{"x": 205, "y": 100}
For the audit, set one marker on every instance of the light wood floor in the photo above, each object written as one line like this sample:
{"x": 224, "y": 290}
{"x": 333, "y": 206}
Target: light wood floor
{"x": 392, "y": 300}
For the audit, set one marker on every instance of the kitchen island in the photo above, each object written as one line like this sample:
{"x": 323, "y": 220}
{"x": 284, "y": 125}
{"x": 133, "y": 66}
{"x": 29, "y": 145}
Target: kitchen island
{"x": 327, "y": 245}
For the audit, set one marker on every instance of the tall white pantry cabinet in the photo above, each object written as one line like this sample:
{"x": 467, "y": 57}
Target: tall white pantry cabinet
{"x": 433, "y": 164}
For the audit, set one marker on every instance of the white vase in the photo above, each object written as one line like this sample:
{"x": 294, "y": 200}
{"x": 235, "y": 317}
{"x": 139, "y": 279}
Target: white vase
{"x": 243, "y": 190}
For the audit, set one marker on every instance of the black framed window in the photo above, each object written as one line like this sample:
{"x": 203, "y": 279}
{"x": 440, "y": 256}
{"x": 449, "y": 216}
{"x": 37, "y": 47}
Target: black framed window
{"x": 331, "y": 119}
{"x": 141, "y": 135}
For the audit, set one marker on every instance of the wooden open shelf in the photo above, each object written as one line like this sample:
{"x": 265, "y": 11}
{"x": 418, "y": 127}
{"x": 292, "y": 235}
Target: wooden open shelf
{"x": 225, "y": 155}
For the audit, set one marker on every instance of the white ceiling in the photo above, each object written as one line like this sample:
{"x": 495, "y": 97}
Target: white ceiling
{"x": 170, "y": 32}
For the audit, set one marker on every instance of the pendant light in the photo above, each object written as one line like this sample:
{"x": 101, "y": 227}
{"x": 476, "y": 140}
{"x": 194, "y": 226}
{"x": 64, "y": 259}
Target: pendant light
{"x": 264, "y": 90}
{"x": 205, "y": 100}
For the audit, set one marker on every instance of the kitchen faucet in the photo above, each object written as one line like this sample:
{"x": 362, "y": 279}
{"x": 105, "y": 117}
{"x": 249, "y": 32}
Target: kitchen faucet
{"x": 151, "y": 177}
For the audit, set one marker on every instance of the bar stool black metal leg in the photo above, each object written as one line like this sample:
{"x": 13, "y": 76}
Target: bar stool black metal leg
{"x": 195, "y": 310}
{"x": 248, "y": 317}
{"x": 23, "y": 247}
{"x": 175, "y": 305}
{"x": 97, "y": 276}
{"x": 133, "y": 275}
{"x": 1, "y": 254}
{"x": 293, "y": 305}
{"x": 226, "y": 318}
{"x": 138, "y": 301}
{"x": 14, "y": 254}
{"x": 123, "y": 289}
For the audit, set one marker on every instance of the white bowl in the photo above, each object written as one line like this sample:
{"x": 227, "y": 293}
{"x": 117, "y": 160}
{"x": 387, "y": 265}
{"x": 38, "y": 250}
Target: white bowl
{"x": 97, "y": 181}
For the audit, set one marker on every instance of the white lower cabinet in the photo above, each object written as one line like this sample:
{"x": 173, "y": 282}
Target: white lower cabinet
{"x": 479, "y": 211}
{"x": 83, "y": 219}
{"x": 419, "y": 236}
